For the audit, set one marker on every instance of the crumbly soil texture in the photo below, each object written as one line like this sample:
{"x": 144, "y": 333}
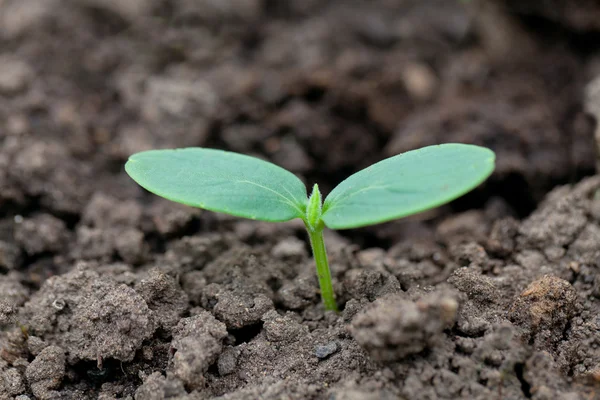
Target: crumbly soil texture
{"x": 108, "y": 292}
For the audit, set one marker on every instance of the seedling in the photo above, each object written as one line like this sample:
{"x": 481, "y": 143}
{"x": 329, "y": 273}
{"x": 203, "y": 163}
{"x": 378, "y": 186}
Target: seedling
{"x": 248, "y": 187}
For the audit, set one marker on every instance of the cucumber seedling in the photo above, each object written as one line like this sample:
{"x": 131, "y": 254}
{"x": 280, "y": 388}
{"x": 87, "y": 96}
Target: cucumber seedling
{"x": 248, "y": 187}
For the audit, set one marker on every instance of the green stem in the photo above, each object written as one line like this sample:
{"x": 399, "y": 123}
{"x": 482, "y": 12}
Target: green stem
{"x": 318, "y": 247}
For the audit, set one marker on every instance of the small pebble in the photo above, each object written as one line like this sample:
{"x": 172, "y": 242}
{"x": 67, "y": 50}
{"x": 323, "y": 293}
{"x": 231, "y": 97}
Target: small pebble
{"x": 59, "y": 304}
{"x": 325, "y": 350}
{"x": 228, "y": 361}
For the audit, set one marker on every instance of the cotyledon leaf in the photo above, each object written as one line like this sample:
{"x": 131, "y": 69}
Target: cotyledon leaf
{"x": 220, "y": 181}
{"x": 406, "y": 184}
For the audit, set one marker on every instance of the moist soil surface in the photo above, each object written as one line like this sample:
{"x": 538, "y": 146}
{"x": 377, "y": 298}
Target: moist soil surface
{"x": 108, "y": 292}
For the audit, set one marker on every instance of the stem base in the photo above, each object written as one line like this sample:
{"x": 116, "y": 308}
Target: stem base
{"x": 318, "y": 248}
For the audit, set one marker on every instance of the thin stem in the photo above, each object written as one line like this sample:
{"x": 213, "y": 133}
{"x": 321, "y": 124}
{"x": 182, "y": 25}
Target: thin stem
{"x": 318, "y": 247}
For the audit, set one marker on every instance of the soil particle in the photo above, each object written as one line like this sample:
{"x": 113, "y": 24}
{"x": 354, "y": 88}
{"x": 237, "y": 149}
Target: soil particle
{"x": 16, "y": 75}
{"x": 237, "y": 308}
{"x": 579, "y": 354}
{"x": 10, "y": 256}
{"x": 545, "y": 308}
{"x": 23, "y": 16}
{"x": 492, "y": 350}
{"x": 93, "y": 243}
{"x": 374, "y": 258}
{"x": 13, "y": 383}
{"x": 111, "y": 391}
{"x": 394, "y": 328}
{"x": 193, "y": 284}
{"x": 171, "y": 219}
{"x": 6, "y": 313}
{"x": 243, "y": 295}
{"x": 46, "y": 372}
{"x": 300, "y": 292}
{"x": 164, "y": 297}
{"x": 470, "y": 254}
{"x": 13, "y": 349}
{"x": 325, "y": 350}
{"x": 538, "y": 372}
{"x": 370, "y": 284}
{"x": 283, "y": 329}
{"x": 130, "y": 245}
{"x": 41, "y": 234}
{"x": 476, "y": 286}
{"x": 45, "y": 170}
{"x": 197, "y": 342}
{"x": 290, "y": 249}
{"x": 158, "y": 387}
{"x": 559, "y": 238}
{"x": 412, "y": 274}
{"x": 557, "y": 223}
{"x": 228, "y": 360}
{"x": 105, "y": 244}
{"x": 168, "y": 101}
{"x": 194, "y": 252}
{"x": 463, "y": 227}
{"x": 241, "y": 263}
{"x": 12, "y": 292}
{"x": 352, "y": 307}
{"x": 35, "y": 345}
{"x": 362, "y": 394}
{"x": 592, "y": 106}
{"x": 585, "y": 250}
{"x": 98, "y": 318}
{"x": 479, "y": 310}
{"x": 104, "y": 211}
{"x": 501, "y": 241}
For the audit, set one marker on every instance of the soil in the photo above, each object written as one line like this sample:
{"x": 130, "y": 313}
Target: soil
{"x": 108, "y": 292}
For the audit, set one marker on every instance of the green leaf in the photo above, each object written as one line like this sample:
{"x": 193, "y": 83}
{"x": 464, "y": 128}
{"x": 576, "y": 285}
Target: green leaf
{"x": 407, "y": 184}
{"x": 221, "y": 181}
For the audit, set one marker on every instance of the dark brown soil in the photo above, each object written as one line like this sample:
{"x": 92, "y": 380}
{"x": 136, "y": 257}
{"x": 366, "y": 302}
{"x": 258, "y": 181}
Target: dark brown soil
{"x": 108, "y": 292}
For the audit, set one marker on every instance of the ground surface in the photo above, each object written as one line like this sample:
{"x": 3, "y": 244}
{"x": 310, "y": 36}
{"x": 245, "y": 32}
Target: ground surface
{"x": 108, "y": 292}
